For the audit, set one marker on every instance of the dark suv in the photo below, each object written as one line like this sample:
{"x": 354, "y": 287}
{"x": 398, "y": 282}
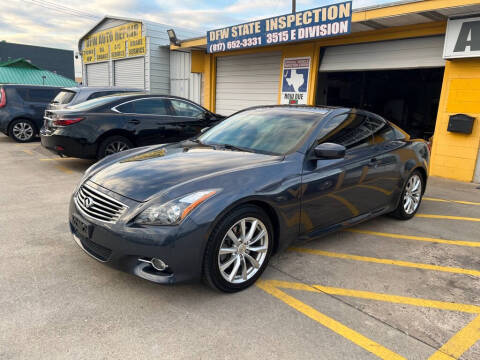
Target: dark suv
{"x": 22, "y": 108}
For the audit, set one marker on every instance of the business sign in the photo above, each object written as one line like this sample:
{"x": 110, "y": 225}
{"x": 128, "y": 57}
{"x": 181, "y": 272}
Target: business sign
{"x": 295, "y": 80}
{"x": 331, "y": 20}
{"x": 462, "y": 39}
{"x": 136, "y": 46}
{"x": 111, "y": 43}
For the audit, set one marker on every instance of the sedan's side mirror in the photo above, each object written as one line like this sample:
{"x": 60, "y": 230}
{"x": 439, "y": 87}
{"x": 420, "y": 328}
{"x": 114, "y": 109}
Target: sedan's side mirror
{"x": 204, "y": 129}
{"x": 329, "y": 151}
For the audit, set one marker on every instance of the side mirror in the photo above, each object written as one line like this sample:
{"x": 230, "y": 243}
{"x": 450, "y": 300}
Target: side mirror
{"x": 329, "y": 151}
{"x": 204, "y": 129}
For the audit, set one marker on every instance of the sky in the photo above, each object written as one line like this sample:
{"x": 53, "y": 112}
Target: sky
{"x": 60, "y": 24}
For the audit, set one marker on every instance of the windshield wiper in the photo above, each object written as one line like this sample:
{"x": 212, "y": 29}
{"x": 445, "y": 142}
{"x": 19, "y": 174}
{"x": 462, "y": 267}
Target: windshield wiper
{"x": 235, "y": 147}
{"x": 199, "y": 142}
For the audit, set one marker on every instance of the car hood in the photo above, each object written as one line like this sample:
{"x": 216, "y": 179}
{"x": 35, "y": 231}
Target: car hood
{"x": 142, "y": 175}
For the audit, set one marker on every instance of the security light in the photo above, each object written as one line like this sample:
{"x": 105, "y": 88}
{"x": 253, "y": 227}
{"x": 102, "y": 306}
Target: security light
{"x": 173, "y": 37}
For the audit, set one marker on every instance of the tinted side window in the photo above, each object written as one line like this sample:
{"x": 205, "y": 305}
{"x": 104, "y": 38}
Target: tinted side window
{"x": 151, "y": 106}
{"x": 126, "y": 108}
{"x": 41, "y": 95}
{"x": 183, "y": 108}
{"x": 356, "y": 131}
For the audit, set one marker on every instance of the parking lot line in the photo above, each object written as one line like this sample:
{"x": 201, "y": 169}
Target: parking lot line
{"x": 448, "y": 217}
{"x": 452, "y": 349}
{"x": 416, "y": 238}
{"x": 387, "y": 261}
{"x": 451, "y": 201}
{"x": 460, "y": 342}
{"x": 436, "y": 304}
{"x": 337, "y": 327}
{"x": 29, "y": 152}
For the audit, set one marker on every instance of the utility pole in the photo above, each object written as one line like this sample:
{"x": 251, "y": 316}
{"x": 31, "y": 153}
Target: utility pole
{"x": 294, "y": 5}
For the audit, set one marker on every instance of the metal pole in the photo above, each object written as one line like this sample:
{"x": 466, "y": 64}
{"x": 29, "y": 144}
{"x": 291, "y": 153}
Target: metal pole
{"x": 294, "y": 5}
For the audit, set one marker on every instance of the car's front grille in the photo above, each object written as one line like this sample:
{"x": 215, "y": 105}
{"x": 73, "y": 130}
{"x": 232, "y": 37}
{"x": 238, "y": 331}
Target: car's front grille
{"x": 98, "y": 205}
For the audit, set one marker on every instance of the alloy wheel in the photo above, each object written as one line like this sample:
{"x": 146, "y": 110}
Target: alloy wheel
{"x": 115, "y": 147}
{"x": 413, "y": 193}
{"x": 243, "y": 250}
{"x": 22, "y": 131}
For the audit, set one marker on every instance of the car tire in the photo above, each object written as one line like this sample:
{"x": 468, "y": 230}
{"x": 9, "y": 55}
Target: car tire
{"x": 22, "y": 130}
{"x": 239, "y": 259}
{"x": 411, "y": 197}
{"x": 112, "y": 145}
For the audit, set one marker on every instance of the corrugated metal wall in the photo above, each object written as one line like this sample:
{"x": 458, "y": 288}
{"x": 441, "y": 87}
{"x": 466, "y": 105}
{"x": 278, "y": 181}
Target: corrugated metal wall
{"x": 158, "y": 55}
{"x": 182, "y": 82}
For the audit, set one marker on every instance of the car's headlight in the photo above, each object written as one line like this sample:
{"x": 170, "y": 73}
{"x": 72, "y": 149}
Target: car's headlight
{"x": 174, "y": 211}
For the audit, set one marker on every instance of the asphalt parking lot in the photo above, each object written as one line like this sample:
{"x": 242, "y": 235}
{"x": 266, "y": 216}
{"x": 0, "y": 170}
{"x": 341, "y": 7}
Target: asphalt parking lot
{"x": 385, "y": 289}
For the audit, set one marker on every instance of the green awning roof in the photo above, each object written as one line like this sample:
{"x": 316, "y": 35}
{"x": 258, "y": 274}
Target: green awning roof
{"x": 20, "y": 71}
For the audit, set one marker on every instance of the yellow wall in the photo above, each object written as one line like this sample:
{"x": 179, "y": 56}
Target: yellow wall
{"x": 454, "y": 155}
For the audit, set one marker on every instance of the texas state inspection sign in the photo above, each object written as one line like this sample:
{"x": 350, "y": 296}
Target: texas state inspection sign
{"x": 330, "y": 20}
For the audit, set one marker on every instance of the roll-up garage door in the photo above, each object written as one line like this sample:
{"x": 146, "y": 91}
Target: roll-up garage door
{"x": 130, "y": 72}
{"x": 247, "y": 80}
{"x": 97, "y": 74}
{"x": 395, "y": 54}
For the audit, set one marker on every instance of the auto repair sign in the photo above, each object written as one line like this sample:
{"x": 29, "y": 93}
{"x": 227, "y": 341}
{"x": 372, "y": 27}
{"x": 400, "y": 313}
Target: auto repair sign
{"x": 330, "y": 20}
{"x": 295, "y": 80}
{"x": 462, "y": 39}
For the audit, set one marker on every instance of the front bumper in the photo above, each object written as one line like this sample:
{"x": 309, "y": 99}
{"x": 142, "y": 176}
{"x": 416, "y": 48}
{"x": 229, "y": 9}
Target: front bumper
{"x": 67, "y": 146}
{"x": 121, "y": 245}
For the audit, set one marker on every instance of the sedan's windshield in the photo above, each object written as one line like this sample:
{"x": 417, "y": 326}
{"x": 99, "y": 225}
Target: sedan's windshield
{"x": 269, "y": 130}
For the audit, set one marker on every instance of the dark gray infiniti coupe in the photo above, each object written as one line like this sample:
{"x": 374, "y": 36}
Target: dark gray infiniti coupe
{"x": 218, "y": 206}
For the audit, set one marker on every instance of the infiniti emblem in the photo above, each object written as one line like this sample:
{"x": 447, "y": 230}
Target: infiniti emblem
{"x": 88, "y": 202}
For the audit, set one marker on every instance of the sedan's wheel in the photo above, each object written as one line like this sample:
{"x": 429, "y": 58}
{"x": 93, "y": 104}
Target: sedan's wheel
{"x": 411, "y": 197}
{"x": 238, "y": 250}
{"x": 113, "y": 145}
{"x": 22, "y": 130}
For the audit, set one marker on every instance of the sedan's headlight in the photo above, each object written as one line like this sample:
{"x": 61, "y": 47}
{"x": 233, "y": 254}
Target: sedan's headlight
{"x": 174, "y": 211}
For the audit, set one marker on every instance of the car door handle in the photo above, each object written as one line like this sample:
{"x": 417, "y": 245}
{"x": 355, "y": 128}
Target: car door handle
{"x": 134, "y": 121}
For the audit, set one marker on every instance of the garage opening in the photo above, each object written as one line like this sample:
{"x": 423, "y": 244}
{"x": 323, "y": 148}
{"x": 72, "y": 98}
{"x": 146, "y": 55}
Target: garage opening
{"x": 408, "y": 98}
{"x": 400, "y": 80}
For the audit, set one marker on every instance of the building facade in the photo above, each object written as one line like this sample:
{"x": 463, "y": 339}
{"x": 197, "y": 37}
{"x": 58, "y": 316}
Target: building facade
{"x": 135, "y": 53}
{"x": 395, "y": 61}
{"x": 59, "y": 61}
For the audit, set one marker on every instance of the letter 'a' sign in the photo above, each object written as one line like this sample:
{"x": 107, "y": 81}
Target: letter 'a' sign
{"x": 329, "y": 20}
{"x": 462, "y": 39}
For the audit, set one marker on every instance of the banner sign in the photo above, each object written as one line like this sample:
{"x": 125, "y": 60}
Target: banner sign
{"x": 111, "y": 43}
{"x": 88, "y": 55}
{"x": 462, "y": 39}
{"x": 295, "y": 80}
{"x": 136, "y": 47}
{"x": 331, "y": 20}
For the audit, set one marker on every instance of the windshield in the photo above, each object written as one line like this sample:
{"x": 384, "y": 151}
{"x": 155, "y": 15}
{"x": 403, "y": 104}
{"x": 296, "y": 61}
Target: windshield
{"x": 90, "y": 104}
{"x": 269, "y": 130}
{"x": 64, "y": 97}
